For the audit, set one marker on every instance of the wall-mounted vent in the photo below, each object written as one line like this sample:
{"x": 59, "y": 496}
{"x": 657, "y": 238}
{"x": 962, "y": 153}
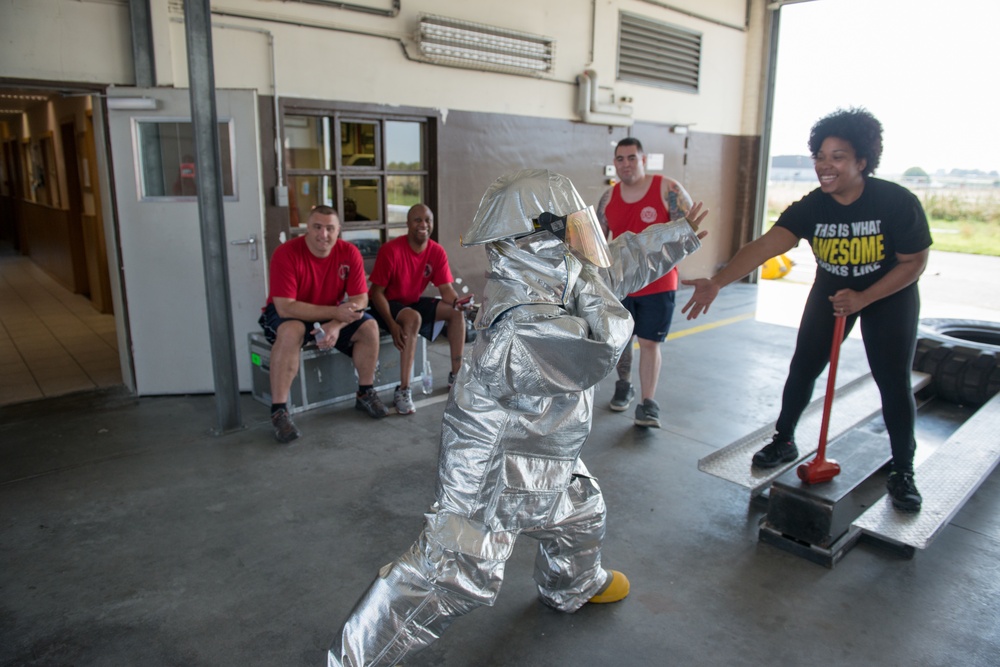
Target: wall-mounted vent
{"x": 658, "y": 54}
{"x": 458, "y": 43}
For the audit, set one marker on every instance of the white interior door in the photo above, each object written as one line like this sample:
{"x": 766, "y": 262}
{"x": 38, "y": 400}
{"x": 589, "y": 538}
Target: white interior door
{"x": 160, "y": 235}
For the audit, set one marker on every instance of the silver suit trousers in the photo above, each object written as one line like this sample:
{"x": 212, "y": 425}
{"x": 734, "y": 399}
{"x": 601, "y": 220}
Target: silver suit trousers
{"x": 457, "y": 565}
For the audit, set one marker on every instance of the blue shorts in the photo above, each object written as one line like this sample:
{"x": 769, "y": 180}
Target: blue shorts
{"x": 425, "y": 305}
{"x": 652, "y": 314}
{"x": 270, "y": 321}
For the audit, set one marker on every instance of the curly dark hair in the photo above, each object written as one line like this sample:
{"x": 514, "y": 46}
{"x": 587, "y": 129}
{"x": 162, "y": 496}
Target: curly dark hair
{"x": 856, "y": 126}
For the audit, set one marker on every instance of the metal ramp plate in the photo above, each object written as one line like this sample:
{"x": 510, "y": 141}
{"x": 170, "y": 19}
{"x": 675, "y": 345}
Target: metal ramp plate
{"x": 946, "y": 480}
{"x": 855, "y": 403}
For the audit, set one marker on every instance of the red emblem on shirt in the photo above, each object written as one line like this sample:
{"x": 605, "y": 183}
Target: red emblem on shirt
{"x": 648, "y": 215}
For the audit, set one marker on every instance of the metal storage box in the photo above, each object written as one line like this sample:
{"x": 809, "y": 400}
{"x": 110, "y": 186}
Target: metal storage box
{"x": 325, "y": 378}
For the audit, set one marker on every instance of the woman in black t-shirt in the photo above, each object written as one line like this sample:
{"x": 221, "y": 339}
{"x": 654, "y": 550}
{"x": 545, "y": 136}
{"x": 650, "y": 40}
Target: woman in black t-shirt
{"x": 871, "y": 241}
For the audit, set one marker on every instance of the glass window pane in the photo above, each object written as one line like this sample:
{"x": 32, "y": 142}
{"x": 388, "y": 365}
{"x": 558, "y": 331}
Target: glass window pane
{"x": 166, "y": 158}
{"x": 368, "y": 241}
{"x": 357, "y": 144}
{"x": 361, "y": 200}
{"x": 307, "y": 142}
{"x": 396, "y": 231}
{"x": 402, "y": 192}
{"x": 404, "y": 147}
{"x": 305, "y": 192}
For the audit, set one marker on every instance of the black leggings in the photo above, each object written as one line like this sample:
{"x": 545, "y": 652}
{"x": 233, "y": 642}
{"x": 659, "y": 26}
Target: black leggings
{"x": 889, "y": 330}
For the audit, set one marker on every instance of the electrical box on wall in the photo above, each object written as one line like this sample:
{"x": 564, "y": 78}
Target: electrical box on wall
{"x": 609, "y": 170}
{"x": 281, "y": 195}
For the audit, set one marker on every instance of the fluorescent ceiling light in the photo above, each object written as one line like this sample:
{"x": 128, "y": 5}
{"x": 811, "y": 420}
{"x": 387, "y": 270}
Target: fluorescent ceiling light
{"x": 130, "y": 103}
{"x": 458, "y": 43}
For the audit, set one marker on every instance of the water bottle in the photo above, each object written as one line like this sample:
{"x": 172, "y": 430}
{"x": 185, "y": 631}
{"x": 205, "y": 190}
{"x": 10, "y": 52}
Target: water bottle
{"x": 320, "y": 334}
{"x": 427, "y": 381}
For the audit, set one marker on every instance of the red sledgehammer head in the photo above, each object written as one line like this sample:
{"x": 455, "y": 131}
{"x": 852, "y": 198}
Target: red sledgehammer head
{"x": 818, "y": 471}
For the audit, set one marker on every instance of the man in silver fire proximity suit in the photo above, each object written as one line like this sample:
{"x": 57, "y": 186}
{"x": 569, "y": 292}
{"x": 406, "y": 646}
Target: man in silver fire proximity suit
{"x": 550, "y": 328}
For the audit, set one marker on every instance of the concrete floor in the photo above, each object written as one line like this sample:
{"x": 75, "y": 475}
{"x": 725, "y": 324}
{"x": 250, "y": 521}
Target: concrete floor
{"x": 130, "y": 535}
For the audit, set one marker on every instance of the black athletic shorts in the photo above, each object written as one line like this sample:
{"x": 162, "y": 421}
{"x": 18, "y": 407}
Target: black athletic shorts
{"x": 270, "y": 321}
{"x": 426, "y": 306}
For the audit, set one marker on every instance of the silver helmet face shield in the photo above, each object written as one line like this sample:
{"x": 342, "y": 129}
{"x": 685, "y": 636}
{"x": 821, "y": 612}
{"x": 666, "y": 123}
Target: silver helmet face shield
{"x": 584, "y": 235}
{"x": 581, "y": 232}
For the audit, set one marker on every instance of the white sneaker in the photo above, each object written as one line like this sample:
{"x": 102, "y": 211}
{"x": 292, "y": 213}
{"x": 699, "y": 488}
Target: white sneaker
{"x": 403, "y": 400}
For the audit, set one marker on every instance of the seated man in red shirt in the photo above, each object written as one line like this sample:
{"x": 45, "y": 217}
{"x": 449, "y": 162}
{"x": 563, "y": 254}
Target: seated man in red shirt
{"x": 310, "y": 277}
{"x": 404, "y": 267}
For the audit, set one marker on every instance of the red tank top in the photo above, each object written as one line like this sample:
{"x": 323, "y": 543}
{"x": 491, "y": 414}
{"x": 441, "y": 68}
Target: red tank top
{"x": 635, "y": 217}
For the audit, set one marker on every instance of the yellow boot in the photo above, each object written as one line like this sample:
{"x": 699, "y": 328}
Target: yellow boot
{"x": 616, "y": 589}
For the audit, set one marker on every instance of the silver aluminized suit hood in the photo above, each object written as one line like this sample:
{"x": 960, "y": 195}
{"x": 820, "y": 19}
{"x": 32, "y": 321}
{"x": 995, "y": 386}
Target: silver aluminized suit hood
{"x": 515, "y": 199}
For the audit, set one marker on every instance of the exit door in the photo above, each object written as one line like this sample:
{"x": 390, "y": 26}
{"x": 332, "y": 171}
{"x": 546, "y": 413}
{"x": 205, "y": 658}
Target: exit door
{"x": 159, "y": 233}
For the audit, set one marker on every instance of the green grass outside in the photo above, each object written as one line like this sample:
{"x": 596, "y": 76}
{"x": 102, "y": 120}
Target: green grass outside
{"x": 965, "y": 220}
{"x": 971, "y": 237}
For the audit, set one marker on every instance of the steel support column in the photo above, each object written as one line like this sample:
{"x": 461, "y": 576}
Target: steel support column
{"x": 142, "y": 43}
{"x": 772, "y": 18}
{"x": 198, "y": 31}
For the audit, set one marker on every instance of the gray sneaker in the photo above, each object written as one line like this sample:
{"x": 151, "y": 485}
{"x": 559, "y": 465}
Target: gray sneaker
{"x": 403, "y": 400}
{"x": 647, "y": 413}
{"x": 624, "y": 393}
{"x": 284, "y": 428}
{"x": 370, "y": 402}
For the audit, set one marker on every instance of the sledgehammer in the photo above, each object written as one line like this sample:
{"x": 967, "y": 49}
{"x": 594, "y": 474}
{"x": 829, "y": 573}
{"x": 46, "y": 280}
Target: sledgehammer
{"x": 820, "y": 469}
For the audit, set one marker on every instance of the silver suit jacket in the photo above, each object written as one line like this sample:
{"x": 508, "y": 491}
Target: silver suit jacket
{"x": 550, "y": 328}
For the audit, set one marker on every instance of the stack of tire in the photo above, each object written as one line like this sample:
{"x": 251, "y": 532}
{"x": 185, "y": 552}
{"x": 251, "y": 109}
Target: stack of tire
{"x": 962, "y": 357}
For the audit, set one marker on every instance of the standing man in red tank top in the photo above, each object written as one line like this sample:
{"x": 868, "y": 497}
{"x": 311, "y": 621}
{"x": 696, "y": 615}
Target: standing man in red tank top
{"x": 636, "y": 201}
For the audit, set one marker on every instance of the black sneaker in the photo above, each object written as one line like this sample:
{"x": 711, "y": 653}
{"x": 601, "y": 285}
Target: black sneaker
{"x": 451, "y": 379}
{"x": 624, "y": 393}
{"x": 284, "y": 428}
{"x": 903, "y": 491}
{"x": 647, "y": 414}
{"x": 779, "y": 450}
{"x": 370, "y": 402}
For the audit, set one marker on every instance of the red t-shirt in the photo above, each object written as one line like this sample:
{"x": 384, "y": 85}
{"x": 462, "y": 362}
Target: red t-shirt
{"x": 406, "y": 274}
{"x": 635, "y": 217}
{"x": 298, "y": 274}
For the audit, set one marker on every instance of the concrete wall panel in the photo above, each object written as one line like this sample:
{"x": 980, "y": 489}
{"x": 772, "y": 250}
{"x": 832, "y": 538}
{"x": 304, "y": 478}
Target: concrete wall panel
{"x": 56, "y": 40}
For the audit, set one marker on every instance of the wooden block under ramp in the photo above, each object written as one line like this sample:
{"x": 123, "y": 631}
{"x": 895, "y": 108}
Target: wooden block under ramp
{"x": 855, "y": 403}
{"x": 946, "y": 480}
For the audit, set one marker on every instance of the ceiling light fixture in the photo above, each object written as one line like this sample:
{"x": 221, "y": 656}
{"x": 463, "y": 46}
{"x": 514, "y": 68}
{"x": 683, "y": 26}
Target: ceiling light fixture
{"x": 132, "y": 103}
{"x": 457, "y": 43}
